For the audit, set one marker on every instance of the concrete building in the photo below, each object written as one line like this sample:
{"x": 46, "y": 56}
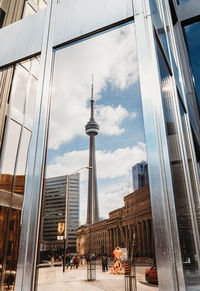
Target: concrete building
{"x": 167, "y": 38}
{"x": 54, "y": 211}
{"x": 140, "y": 175}
{"x": 132, "y": 220}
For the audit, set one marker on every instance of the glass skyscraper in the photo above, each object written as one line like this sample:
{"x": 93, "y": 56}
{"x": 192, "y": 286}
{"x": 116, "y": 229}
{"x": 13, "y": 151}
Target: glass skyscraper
{"x": 54, "y": 211}
{"x": 140, "y": 175}
{"x": 165, "y": 58}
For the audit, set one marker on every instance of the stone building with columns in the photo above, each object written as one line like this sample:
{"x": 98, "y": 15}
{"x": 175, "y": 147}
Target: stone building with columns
{"x": 131, "y": 223}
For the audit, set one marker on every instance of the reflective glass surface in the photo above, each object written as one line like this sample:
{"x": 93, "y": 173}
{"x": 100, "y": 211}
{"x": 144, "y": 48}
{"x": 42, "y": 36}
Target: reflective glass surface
{"x": 32, "y": 7}
{"x": 192, "y": 35}
{"x": 10, "y": 11}
{"x": 19, "y": 93}
{"x": 181, "y": 195}
{"x": 159, "y": 26}
{"x": 182, "y": 1}
{"x": 111, "y": 57}
{"x": 191, "y": 167}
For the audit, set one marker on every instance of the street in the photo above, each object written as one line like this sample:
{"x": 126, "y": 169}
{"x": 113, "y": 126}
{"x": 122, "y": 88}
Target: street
{"x": 51, "y": 279}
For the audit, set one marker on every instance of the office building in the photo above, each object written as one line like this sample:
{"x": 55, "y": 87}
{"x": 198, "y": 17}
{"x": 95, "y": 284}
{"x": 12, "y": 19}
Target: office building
{"x": 133, "y": 218}
{"x": 167, "y": 36}
{"x": 140, "y": 175}
{"x": 54, "y": 211}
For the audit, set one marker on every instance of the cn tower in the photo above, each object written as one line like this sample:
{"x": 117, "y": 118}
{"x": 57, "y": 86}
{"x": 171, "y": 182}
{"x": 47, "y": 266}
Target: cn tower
{"x": 92, "y": 129}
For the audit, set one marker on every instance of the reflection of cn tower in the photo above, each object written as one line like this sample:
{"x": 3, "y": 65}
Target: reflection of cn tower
{"x": 92, "y": 129}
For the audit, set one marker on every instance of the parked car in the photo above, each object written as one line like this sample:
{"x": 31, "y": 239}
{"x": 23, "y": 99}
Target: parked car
{"x": 151, "y": 275}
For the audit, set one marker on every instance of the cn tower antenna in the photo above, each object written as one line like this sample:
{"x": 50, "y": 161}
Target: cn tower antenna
{"x": 92, "y": 88}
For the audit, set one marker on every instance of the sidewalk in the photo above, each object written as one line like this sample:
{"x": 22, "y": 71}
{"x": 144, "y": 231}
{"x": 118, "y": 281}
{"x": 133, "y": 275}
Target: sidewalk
{"x": 53, "y": 279}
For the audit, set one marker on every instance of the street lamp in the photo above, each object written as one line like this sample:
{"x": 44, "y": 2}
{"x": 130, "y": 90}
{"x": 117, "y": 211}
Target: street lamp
{"x": 66, "y": 213}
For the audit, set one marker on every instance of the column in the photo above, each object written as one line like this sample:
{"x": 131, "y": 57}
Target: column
{"x": 145, "y": 239}
{"x": 126, "y": 236}
{"x": 148, "y": 239}
{"x": 115, "y": 239}
{"x": 140, "y": 239}
{"x": 117, "y": 233}
{"x": 112, "y": 240}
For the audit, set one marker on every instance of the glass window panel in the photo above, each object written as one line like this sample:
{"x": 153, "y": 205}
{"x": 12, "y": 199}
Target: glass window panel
{"x": 182, "y": 1}
{"x": 10, "y": 147}
{"x": 35, "y": 66}
{"x": 112, "y": 58}
{"x": 26, "y": 64}
{"x": 30, "y": 101}
{"x": 28, "y": 10}
{"x": 186, "y": 235}
{"x": 15, "y": 144}
{"x": 42, "y": 4}
{"x": 23, "y": 151}
{"x": 191, "y": 167}
{"x": 192, "y": 35}
{"x": 18, "y": 91}
{"x": 159, "y": 26}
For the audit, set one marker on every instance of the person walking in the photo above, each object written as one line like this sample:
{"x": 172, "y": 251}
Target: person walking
{"x": 103, "y": 264}
{"x": 68, "y": 260}
{"x": 52, "y": 261}
{"x": 106, "y": 263}
{"x": 76, "y": 262}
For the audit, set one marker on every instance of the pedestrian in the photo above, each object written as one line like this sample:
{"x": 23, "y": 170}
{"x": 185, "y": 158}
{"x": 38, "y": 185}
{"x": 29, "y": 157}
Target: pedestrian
{"x": 68, "y": 260}
{"x": 76, "y": 261}
{"x": 106, "y": 263}
{"x": 52, "y": 261}
{"x": 103, "y": 264}
{"x": 71, "y": 262}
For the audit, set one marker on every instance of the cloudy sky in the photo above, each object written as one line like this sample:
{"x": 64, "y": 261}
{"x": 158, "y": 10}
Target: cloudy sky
{"x": 112, "y": 58}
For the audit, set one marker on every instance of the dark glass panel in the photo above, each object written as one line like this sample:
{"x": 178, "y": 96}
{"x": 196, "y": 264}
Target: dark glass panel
{"x": 192, "y": 35}
{"x": 182, "y": 1}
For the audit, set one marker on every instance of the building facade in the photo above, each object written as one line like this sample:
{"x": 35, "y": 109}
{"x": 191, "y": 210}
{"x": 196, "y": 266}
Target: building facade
{"x": 54, "y": 211}
{"x": 131, "y": 224}
{"x": 140, "y": 175}
{"x": 167, "y": 42}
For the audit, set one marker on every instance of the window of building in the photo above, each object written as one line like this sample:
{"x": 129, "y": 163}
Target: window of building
{"x": 181, "y": 195}
{"x": 192, "y": 36}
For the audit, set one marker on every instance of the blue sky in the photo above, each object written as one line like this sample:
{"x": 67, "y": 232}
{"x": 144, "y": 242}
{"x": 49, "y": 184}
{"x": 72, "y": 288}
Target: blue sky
{"x": 112, "y": 58}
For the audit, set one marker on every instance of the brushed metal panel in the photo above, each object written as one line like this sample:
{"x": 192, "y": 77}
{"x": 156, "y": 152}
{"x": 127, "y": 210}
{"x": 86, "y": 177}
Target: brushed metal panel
{"x": 168, "y": 256}
{"x": 22, "y": 38}
{"x": 77, "y": 17}
{"x": 188, "y": 10}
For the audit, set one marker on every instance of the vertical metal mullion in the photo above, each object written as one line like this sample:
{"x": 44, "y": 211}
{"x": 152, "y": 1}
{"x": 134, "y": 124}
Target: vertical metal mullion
{"x": 167, "y": 245}
{"x": 35, "y": 166}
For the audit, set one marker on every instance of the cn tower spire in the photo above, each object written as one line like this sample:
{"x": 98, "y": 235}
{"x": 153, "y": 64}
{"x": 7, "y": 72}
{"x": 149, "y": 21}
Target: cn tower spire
{"x": 92, "y": 129}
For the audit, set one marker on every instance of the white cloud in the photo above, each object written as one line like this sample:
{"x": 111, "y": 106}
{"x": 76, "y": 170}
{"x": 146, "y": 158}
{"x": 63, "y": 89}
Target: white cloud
{"x": 112, "y": 58}
{"x": 110, "y": 119}
{"x": 110, "y": 164}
